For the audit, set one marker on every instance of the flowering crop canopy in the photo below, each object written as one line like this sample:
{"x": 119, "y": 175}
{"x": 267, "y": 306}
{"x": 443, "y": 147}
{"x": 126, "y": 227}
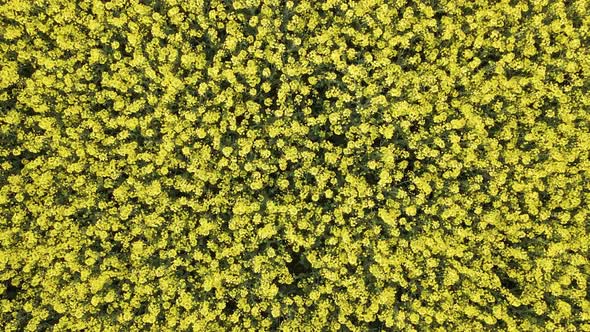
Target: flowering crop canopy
{"x": 266, "y": 165}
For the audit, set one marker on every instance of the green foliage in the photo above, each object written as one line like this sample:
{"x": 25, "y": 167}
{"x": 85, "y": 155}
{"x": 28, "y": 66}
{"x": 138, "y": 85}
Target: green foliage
{"x": 333, "y": 165}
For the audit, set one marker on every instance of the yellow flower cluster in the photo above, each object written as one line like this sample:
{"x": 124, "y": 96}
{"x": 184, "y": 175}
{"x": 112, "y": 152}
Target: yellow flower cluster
{"x": 264, "y": 165}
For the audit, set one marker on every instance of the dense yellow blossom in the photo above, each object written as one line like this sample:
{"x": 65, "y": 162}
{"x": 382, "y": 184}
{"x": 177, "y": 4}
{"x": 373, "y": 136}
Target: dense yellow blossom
{"x": 254, "y": 165}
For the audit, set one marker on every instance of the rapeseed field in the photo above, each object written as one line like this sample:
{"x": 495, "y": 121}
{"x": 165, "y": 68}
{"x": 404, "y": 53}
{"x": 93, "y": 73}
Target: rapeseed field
{"x": 272, "y": 165}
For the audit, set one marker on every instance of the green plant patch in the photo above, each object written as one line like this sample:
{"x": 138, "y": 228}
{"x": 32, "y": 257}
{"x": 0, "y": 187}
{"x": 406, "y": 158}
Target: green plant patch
{"x": 266, "y": 165}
